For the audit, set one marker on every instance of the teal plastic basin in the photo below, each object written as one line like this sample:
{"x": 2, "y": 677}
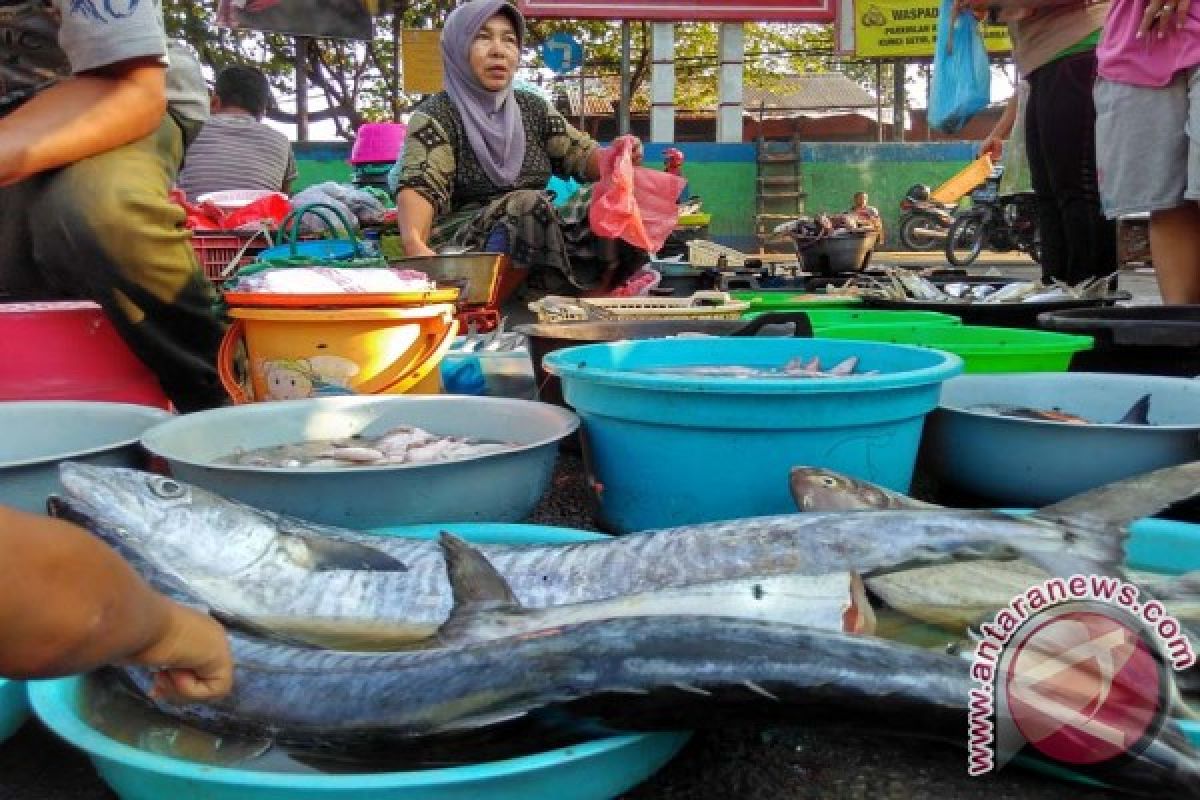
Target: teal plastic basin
{"x": 595, "y": 770}
{"x": 14, "y": 707}
{"x": 667, "y": 450}
{"x": 38, "y": 435}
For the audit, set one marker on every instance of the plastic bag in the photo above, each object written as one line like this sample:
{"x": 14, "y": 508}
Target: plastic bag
{"x": 961, "y": 85}
{"x": 1017, "y": 177}
{"x": 634, "y": 203}
{"x": 266, "y": 212}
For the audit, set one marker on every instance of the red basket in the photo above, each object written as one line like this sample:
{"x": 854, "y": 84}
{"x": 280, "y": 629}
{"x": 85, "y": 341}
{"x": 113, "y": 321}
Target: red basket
{"x": 217, "y": 252}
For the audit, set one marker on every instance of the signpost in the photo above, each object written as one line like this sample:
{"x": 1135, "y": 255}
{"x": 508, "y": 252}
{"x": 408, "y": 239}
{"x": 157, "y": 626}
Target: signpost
{"x": 901, "y": 29}
{"x": 422, "y": 55}
{"x": 562, "y": 53}
{"x": 684, "y": 10}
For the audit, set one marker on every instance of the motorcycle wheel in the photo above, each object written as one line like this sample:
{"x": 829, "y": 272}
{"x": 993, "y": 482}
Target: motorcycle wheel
{"x": 917, "y": 241}
{"x": 964, "y": 242}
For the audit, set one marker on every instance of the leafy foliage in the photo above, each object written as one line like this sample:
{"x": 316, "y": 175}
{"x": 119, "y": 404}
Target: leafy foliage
{"x": 355, "y": 82}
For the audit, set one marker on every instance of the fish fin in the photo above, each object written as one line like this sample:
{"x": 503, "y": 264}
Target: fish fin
{"x": 1138, "y": 413}
{"x": 474, "y": 582}
{"x": 1116, "y": 505}
{"x": 257, "y": 630}
{"x": 323, "y": 554}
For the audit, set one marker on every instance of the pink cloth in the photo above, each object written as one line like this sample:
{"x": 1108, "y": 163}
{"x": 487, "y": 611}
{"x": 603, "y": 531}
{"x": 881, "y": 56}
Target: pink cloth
{"x": 1149, "y": 61}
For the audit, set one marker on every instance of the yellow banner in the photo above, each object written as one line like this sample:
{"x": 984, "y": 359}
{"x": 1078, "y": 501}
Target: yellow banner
{"x": 421, "y": 60}
{"x": 908, "y": 28}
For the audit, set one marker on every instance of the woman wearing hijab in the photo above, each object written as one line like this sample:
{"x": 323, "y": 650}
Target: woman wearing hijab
{"x": 478, "y": 156}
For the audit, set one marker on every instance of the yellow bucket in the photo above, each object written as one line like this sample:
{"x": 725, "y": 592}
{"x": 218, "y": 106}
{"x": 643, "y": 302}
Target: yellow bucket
{"x": 295, "y": 353}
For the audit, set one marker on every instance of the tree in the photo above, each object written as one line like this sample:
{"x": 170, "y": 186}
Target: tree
{"x": 361, "y": 81}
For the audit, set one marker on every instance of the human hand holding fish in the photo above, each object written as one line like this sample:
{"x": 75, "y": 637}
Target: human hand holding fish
{"x": 189, "y": 657}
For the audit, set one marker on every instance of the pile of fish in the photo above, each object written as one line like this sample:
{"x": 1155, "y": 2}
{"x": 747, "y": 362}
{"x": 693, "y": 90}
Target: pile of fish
{"x": 902, "y": 284}
{"x": 400, "y": 445}
{"x": 794, "y": 368}
{"x": 766, "y": 619}
{"x": 1138, "y": 414}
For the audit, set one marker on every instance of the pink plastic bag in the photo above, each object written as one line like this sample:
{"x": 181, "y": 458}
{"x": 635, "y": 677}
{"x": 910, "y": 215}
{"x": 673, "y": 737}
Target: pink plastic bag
{"x": 634, "y": 203}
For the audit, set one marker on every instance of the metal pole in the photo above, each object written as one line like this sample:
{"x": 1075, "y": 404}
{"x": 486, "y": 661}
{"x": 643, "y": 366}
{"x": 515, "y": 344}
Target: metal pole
{"x": 582, "y": 97}
{"x": 397, "y": 70}
{"x": 626, "y": 102}
{"x": 879, "y": 101}
{"x": 900, "y": 102}
{"x": 302, "y": 88}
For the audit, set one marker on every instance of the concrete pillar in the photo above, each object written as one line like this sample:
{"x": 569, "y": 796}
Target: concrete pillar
{"x": 662, "y": 82}
{"x": 731, "y": 49}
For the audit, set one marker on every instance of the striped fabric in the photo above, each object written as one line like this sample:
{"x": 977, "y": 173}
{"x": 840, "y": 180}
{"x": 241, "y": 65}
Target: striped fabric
{"x": 236, "y": 151}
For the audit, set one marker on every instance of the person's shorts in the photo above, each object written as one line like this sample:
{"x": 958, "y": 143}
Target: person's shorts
{"x": 1147, "y": 156}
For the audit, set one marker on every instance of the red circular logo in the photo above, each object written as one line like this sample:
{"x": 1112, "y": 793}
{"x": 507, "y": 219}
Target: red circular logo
{"x": 1083, "y": 687}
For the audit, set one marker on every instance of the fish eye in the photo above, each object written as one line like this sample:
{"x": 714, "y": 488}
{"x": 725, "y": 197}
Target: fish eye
{"x": 168, "y": 489}
{"x": 829, "y": 482}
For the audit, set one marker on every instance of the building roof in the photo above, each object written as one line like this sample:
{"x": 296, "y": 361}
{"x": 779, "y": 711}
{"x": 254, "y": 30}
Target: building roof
{"x": 810, "y": 92}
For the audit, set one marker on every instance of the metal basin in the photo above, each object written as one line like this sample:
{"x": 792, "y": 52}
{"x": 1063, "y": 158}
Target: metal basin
{"x": 498, "y": 487}
{"x": 40, "y": 434}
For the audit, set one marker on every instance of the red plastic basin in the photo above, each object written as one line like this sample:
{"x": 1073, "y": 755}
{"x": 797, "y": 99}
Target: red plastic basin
{"x": 69, "y": 351}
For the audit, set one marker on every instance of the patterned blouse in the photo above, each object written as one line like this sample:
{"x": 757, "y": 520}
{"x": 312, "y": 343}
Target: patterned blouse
{"x": 439, "y": 164}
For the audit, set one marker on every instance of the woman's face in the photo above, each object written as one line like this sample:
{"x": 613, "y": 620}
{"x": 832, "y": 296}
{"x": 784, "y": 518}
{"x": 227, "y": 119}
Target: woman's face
{"x": 495, "y": 53}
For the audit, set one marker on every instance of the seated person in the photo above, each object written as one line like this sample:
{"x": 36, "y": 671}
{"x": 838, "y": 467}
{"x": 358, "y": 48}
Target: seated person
{"x": 867, "y": 215}
{"x": 477, "y": 159}
{"x": 234, "y": 149}
{"x": 89, "y": 149}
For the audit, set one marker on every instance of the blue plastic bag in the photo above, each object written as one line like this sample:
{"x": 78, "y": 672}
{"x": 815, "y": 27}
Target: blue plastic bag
{"x": 961, "y": 85}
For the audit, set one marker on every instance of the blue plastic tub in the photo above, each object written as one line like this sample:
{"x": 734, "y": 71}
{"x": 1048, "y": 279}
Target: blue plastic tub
{"x": 1026, "y": 462}
{"x": 594, "y": 770}
{"x": 14, "y": 707}
{"x": 667, "y": 450}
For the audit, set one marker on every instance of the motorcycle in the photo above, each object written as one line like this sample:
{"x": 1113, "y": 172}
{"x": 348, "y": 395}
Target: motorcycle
{"x": 999, "y": 222}
{"x": 924, "y": 224}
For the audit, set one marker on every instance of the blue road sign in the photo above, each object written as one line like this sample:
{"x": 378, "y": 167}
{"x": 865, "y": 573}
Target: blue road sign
{"x": 562, "y": 52}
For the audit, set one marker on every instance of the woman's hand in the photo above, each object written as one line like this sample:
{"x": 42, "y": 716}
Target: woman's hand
{"x": 1163, "y": 16}
{"x": 418, "y": 249}
{"x": 190, "y": 657}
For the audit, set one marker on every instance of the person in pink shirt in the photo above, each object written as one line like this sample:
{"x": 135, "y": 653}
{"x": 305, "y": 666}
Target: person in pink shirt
{"x": 1147, "y": 143}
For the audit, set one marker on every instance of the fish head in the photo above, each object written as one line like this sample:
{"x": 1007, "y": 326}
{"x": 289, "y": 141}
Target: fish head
{"x": 819, "y": 489}
{"x": 171, "y": 522}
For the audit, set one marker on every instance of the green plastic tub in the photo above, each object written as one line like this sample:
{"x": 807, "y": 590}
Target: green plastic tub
{"x": 762, "y": 300}
{"x": 822, "y": 318}
{"x": 982, "y": 349}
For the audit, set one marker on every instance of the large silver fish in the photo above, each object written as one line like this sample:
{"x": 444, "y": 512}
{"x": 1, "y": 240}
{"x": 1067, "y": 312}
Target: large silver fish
{"x": 280, "y": 570}
{"x": 642, "y": 672}
{"x": 956, "y": 595}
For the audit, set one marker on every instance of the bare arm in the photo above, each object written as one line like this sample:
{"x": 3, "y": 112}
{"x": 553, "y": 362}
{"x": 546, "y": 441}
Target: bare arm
{"x": 82, "y": 116}
{"x": 69, "y": 604}
{"x": 414, "y": 218}
{"x": 993, "y": 145}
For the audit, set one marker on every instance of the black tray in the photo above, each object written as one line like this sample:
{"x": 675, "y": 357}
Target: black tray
{"x": 1141, "y": 340}
{"x": 1000, "y": 315}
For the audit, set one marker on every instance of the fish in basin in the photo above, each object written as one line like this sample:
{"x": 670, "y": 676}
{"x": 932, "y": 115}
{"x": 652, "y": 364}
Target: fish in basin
{"x": 643, "y": 673}
{"x": 955, "y": 596}
{"x": 296, "y": 576}
{"x": 1138, "y": 413}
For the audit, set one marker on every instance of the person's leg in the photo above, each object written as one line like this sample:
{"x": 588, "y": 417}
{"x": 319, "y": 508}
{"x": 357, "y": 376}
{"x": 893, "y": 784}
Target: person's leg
{"x": 1037, "y": 114}
{"x": 1066, "y": 129}
{"x": 103, "y": 228}
{"x": 1175, "y": 248}
{"x": 18, "y": 280}
{"x": 1175, "y": 234}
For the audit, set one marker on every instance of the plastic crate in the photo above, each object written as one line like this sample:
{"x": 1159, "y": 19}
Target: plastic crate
{"x": 703, "y": 253}
{"x": 957, "y": 187}
{"x": 221, "y": 254}
{"x": 701, "y": 305}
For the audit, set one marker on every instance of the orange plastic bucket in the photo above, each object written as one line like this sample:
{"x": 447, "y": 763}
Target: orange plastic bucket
{"x": 294, "y": 353}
